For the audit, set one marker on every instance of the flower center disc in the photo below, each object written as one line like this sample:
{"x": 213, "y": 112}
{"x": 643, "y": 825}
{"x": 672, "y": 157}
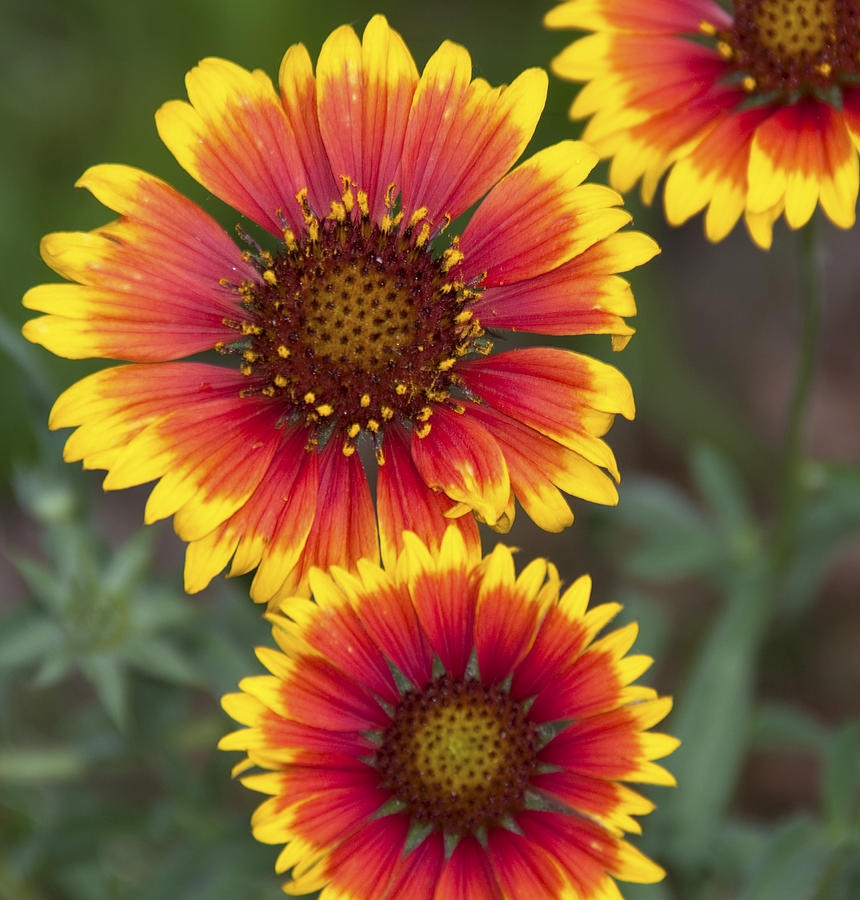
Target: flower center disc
{"x": 355, "y": 325}
{"x": 458, "y": 754}
{"x": 786, "y": 45}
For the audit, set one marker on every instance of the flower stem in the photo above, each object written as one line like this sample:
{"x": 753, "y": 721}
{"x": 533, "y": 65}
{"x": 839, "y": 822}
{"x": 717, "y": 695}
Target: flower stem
{"x": 791, "y": 475}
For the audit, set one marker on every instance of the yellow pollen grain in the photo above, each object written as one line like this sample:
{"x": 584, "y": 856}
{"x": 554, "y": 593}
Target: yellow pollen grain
{"x": 283, "y": 352}
{"x": 725, "y": 50}
{"x": 313, "y": 231}
{"x": 269, "y": 277}
{"x": 310, "y": 397}
{"x": 380, "y": 456}
{"x": 280, "y": 381}
{"x": 219, "y": 346}
{"x": 346, "y": 196}
{"x": 390, "y": 195}
{"x": 417, "y": 216}
{"x": 387, "y": 413}
{"x": 825, "y": 69}
{"x": 290, "y": 240}
{"x": 372, "y": 425}
{"x": 400, "y": 389}
{"x": 423, "y": 431}
{"x": 347, "y": 449}
{"x": 249, "y": 356}
{"x": 386, "y": 224}
{"x": 424, "y": 414}
{"x": 363, "y": 204}
{"x": 463, "y": 317}
{"x": 245, "y": 369}
{"x": 338, "y": 211}
{"x": 269, "y": 391}
{"x": 457, "y": 408}
{"x": 423, "y": 236}
{"x": 749, "y": 84}
{"x": 447, "y": 364}
{"x": 267, "y": 258}
{"x": 250, "y": 328}
{"x": 365, "y": 401}
{"x": 325, "y": 409}
{"x": 707, "y": 28}
{"x": 353, "y": 430}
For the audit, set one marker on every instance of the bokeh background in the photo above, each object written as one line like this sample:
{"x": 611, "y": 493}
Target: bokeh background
{"x": 110, "y": 677}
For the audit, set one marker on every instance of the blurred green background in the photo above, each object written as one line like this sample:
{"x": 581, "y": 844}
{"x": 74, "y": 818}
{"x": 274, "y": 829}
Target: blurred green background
{"x": 110, "y": 677}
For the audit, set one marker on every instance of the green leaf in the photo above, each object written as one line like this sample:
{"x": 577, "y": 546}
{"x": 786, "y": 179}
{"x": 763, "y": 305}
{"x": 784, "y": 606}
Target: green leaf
{"x": 720, "y": 488}
{"x": 157, "y": 657}
{"x": 712, "y": 721}
{"x": 829, "y": 515}
{"x": 675, "y": 540}
{"x": 784, "y": 727}
{"x": 41, "y": 764}
{"x": 794, "y": 866}
{"x": 44, "y": 585}
{"x": 27, "y": 637}
{"x": 127, "y": 565}
{"x": 109, "y": 680}
{"x": 841, "y": 778}
{"x": 53, "y": 669}
{"x": 659, "y": 891}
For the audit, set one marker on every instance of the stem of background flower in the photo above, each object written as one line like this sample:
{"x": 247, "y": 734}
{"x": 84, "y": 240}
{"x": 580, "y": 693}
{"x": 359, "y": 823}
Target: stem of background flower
{"x": 791, "y": 475}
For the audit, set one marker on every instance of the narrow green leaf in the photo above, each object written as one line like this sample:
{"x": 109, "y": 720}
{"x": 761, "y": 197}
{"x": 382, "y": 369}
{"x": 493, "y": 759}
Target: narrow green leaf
{"x": 720, "y": 488}
{"x": 159, "y": 658}
{"x": 43, "y": 584}
{"x": 128, "y": 564}
{"x": 109, "y": 680}
{"x": 841, "y": 778}
{"x": 712, "y": 721}
{"x": 794, "y": 865}
{"x": 27, "y": 637}
{"x": 675, "y": 541}
{"x": 784, "y": 727}
{"x": 40, "y": 764}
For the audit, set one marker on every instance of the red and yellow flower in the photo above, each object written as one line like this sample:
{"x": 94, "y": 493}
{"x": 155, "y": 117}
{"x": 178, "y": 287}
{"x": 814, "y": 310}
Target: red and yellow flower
{"x": 350, "y": 325}
{"x": 753, "y": 113}
{"x": 448, "y": 729}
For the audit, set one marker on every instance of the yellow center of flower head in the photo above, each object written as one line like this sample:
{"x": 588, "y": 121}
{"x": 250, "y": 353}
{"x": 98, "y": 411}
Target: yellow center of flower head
{"x": 458, "y": 755}
{"x": 788, "y": 46}
{"x": 354, "y": 322}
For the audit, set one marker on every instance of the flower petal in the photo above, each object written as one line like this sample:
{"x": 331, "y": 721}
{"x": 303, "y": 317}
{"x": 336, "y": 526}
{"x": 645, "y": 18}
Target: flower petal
{"x": 364, "y": 94}
{"x": 539, "y": 216}
{"x": 235, "y": 139}
{"x": 459, "y": 457}
{"x": 406, "y": 503}
{"x": 344, "y": 526}
{"x": 468, "y": 873}
{"x": 581, "y": 296}
{"x": 283, "y": 504}
{"x": 570, "y": 398}
{"x": 802, "y": 153}
{"x": 464, "y": 135}
{"x": 150, "y": 284}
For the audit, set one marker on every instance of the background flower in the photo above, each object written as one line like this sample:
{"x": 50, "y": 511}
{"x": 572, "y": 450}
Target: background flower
{"x": 450, "y": 730}
{"x": 354, "y": 329}
{"x": 752, "y": 113}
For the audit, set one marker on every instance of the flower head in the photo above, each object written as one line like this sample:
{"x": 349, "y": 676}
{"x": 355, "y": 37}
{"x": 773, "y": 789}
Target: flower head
{"x": 352, "y": 319}
{"x": 450, "y": 730}
{"x": 753, "y": 113}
